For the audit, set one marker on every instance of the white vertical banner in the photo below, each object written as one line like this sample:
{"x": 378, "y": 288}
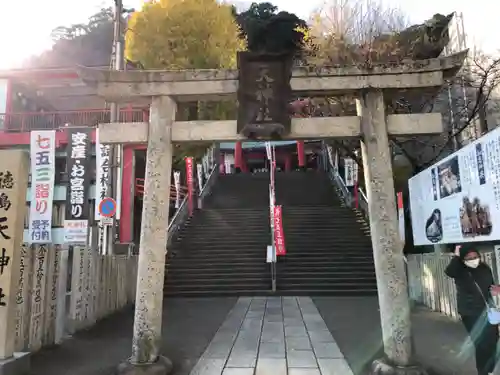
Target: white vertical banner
{"x": 177, "y": 184}
{"x": 228, "y": 162}
{"x": 211, "y": 157}
{"x": 43, "y": 156}
{"x": 401, "y": 217}
{"x": 269, "y": 151}
{"x": 119, "y": 177}
{"x": 206, "y": 166}
{"x": 102, "y": 173}
{"x": 199, "y": 172}
{"x": 336, "y": 163}
{"x": 329, "y": 150}
{"x": 101, "y": 188}
{"x": 349, "y": 172}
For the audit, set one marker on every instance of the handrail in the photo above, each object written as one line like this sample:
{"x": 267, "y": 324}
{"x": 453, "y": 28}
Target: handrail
{"x": 339, "y": 181}
{"x": 207, "y": 187}
{"x": 182, "y": 212}
{"x": 363, "y": 202}
{"x": 336, "y": 178}
{"x": 363, "y": 194}
{"x": 177, "y": 220}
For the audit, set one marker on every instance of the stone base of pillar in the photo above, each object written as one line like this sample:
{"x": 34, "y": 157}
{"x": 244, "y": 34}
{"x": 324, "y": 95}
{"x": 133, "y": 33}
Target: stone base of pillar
{"x": 163, "y": 366}
{"x": 382, "y": 367}
{"x": 18, "y": 364}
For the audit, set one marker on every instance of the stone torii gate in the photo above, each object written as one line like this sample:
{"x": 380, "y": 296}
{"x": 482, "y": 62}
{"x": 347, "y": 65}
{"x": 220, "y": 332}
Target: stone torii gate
{"x": 164, "y": 89}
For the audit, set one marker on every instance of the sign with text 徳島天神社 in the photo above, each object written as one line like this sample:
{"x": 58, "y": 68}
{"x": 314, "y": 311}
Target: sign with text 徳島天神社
{"x": 13, "y": 184}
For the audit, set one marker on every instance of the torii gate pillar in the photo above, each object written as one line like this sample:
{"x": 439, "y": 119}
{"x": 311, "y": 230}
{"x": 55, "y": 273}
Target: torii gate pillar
{"x": 387, "y": 246}
{"x": 146, "y": 358}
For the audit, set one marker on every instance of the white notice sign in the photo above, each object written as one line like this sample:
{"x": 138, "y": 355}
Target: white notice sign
{"x": 458, "y": 199}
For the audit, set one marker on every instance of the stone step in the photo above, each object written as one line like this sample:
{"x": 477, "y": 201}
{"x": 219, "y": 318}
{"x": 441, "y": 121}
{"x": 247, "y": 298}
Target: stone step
{"x": 279, "y": 292}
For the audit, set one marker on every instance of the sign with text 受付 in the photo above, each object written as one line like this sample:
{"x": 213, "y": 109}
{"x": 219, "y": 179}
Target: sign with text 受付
{"x": 13, "y": 184}
{"x": 43, "y": 155}
{"x": 457, "y": 199}
{"x": 77, "y": 205}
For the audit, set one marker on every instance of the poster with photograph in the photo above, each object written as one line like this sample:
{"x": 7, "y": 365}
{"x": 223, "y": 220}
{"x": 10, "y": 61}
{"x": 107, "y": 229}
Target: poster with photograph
{"x": 457, "y": 199}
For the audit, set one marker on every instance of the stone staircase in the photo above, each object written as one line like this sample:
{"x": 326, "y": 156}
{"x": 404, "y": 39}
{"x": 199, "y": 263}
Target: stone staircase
{"x": 328, "y": 245}
{"x": 222, "y": 250}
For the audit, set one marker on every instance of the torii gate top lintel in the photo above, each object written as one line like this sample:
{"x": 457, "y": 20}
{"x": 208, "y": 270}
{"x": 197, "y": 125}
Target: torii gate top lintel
{"x": 207, "y": 84}
{"x": 195, "y": 84}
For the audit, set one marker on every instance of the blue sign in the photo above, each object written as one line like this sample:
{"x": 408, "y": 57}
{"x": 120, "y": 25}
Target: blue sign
{"x": 107, "y": 207}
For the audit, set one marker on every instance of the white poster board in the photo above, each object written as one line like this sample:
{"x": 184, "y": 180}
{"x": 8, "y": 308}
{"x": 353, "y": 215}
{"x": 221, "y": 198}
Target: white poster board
{"x": 351, "y": 172}
{"x": 458, "y": 199}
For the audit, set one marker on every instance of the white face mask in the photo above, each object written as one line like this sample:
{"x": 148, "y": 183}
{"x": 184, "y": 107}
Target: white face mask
{"x": 472, "y": 263}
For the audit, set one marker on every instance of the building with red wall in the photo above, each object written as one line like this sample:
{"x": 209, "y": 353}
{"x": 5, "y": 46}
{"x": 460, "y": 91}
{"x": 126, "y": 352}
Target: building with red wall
{"x": 53, "y": 99}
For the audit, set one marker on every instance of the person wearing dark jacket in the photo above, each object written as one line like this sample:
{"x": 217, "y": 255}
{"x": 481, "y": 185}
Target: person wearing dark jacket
{"x": 474, "y": 284}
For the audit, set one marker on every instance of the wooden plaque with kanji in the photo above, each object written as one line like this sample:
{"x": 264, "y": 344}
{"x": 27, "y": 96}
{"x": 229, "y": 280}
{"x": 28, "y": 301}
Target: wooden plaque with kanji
{"x": 264, "y": 92}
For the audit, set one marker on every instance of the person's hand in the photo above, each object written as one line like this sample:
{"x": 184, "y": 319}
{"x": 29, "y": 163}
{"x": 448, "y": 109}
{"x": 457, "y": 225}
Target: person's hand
{"x": 457, "y": 250}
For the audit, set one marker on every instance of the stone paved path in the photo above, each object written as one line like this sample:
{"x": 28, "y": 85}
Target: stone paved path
{"x": 188, "y": 326}
{"x": 273, "y": 336}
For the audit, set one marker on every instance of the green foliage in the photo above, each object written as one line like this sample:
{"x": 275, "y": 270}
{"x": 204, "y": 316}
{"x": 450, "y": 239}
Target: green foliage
{"x": 270, "y": 31}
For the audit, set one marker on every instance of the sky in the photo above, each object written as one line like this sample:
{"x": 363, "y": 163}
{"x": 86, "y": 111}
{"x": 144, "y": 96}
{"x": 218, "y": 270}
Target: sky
{"x": 25, "y": 30}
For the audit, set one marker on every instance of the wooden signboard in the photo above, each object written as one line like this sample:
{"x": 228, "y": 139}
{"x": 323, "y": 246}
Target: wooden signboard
{"x": 53, "y": 260}
{"x": 77, "y": 281}
{"x": 38, "y": 296}
{"x": 264, "y": 92}
{"x": 13, "y": 185}
{"x": 23, "y": 298}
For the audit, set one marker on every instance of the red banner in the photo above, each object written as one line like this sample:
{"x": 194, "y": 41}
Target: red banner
{"x": 279, "y": 236}
{"x": 189, "y": 181}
